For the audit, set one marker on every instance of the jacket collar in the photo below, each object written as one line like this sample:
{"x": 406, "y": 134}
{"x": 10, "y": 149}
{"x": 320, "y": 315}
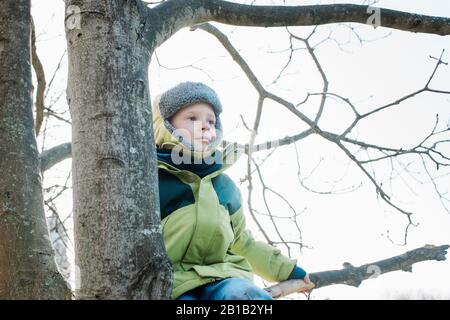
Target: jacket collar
{"x": 224, "y": 159}
{"x": 200, "y": 167}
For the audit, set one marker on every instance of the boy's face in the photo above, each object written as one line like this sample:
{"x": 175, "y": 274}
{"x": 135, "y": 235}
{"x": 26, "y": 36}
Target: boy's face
{"x": 196, "y": 123}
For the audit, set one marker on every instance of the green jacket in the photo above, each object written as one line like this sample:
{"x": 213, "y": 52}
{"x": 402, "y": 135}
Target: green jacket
{"x": 204, "y": 223}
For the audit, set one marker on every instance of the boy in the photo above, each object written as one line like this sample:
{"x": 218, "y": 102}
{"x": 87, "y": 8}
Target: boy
{"x": 212, "y": 254}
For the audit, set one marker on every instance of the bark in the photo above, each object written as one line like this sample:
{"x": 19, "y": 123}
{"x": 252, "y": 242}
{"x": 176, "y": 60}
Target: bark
{"x": 119, "y": 251}
{"x": 27, "y": 266}
{"x": 41, "y": 83}
{"x": 353, "y": 276}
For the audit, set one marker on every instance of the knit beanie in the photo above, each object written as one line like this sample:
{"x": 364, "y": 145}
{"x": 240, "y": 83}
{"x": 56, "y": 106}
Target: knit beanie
{"x": 185, "y": 94}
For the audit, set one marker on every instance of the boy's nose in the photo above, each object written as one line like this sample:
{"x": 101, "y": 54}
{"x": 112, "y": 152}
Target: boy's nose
{"x": 206, "y": 125}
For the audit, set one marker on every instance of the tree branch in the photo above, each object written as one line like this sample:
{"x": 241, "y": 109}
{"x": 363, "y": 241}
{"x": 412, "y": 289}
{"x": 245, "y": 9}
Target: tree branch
{"x": 179, "y": 14}
{"x": 55, "y": 155}
{"x": 353, "y": 276}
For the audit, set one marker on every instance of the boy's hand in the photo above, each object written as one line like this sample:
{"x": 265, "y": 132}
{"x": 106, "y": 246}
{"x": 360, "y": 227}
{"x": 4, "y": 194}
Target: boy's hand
{"x": 290, "y": 286}
{"x": 309, "y": 285}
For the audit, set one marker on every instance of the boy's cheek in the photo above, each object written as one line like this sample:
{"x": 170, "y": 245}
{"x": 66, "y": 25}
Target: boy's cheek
{"x": 183, "y": 133}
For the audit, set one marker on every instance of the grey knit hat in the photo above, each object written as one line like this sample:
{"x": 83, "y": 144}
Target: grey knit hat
{"x": 188, "y": 93}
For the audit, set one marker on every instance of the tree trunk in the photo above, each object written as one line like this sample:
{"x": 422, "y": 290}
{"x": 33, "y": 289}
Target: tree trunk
{"x": 27, "y": 266}
{"x": 119, "y": 251}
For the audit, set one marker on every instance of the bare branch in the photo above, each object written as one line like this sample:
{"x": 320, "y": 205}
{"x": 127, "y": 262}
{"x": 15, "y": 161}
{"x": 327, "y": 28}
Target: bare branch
{"x": 268, "y": 208}
{"x": 192, "y": 65}
{"x": 172, "y": 15}
{"x": 439, "y": 61}
{"x": 353, "y": 276}
{"x": 319, "y": 68}
{"x": 233, "y": 53}
{"x": 303, "y": 184}
{"x": 51, "y": 113}
{"x": 55, "y": 155}
{"x": 55, "y": 72}
{"x": 445, "y": 201}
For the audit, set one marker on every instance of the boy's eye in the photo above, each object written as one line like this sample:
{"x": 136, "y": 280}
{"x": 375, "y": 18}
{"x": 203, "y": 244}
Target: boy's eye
{"x": 192, "y": 118}
{"x": 212, "y": 122}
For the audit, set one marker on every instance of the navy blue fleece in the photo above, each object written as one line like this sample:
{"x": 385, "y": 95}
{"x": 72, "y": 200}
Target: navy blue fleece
{"x": 200, "y": 169}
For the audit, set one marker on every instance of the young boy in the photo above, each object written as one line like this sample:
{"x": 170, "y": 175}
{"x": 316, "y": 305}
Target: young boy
{"x": 212, "y": 253}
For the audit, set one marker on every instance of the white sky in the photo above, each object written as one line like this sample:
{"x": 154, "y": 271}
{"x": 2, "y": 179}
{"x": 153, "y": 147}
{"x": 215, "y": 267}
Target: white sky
{"x": 346, "y": 227}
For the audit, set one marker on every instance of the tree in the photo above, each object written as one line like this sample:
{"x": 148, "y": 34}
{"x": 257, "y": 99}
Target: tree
{"x": 114, "y": 173}
{"x": 27, "y": 267}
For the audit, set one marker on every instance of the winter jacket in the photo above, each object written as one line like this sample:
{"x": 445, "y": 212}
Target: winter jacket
{"x": 203, "y": 221}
